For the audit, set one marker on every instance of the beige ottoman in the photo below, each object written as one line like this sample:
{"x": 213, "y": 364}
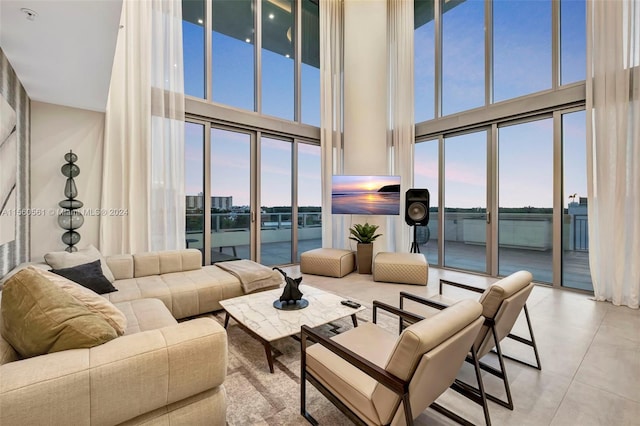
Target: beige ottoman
{"x": 328, "y": 262}
{"x": 404, "y": 268}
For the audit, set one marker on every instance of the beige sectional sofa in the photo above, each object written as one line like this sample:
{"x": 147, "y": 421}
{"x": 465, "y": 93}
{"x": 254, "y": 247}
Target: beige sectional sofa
{"x": 175, "y": 277}
{"x": 159, "y": 372}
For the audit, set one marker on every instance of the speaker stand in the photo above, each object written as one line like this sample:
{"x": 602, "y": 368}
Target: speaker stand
{"x": 415, "y": 248}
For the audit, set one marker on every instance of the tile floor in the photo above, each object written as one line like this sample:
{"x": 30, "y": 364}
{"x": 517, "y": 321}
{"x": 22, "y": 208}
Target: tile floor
{"x": 590, "y": 353}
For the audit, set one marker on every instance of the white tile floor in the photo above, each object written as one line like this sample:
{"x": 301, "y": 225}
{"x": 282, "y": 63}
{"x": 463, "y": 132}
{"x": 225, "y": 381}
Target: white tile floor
{"x": 590, "y": 353}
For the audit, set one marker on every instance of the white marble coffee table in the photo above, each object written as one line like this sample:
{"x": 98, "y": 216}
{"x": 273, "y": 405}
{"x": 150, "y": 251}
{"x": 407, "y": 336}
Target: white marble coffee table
{"x": 257, "y": 316}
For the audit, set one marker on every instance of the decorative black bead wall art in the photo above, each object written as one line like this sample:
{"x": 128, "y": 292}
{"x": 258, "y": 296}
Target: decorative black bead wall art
{"x": 71, "y": 219}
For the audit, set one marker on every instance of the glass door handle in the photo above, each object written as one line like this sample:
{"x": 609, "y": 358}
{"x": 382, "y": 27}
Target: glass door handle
{"x": 488, "y": 218}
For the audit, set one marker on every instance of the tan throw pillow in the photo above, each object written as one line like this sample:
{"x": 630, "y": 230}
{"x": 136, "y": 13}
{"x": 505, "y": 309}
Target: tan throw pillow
{"x": 38, "y": 317}
{"x": 90, "y": 299}
{"x": 63, "y": 259}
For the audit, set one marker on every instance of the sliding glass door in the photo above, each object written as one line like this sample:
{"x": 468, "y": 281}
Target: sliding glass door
{"x": 465, "y": 201}
{"x": 275, "y": 201}
{"x": 525, "y": 212}
{"x": 514, "y": 196}
{"x": 254, "y": 184}
{"x": 230, "y": 195}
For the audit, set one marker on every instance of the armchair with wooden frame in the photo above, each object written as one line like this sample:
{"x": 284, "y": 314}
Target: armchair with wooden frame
{"x": 501, "y": 302}
{"x": 377, "y": 378}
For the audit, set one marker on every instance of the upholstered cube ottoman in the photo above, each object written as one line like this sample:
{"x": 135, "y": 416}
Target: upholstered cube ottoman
{"x": 328, "y": 262}
{"x": 404, "y": 268}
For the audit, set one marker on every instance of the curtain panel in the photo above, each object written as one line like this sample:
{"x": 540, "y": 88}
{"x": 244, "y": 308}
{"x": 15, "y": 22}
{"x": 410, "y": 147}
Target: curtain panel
{"x": 334, "y": 230}
{"x": 144, "y": 132}
{"x": 401, "y": 125}
{"x": 613, "y": 149}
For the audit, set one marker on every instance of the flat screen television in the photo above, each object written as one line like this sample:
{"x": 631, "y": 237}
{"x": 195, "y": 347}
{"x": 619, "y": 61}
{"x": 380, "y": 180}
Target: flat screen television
{"x": 375, "y": 195}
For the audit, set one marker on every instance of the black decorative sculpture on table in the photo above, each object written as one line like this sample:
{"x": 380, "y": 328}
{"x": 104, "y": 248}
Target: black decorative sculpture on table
{"x": 291, "y": 298}
{"x": 71, "y": 219}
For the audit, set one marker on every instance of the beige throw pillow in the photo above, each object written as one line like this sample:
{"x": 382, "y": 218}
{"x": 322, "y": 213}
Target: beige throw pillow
{"x": 90, "y": 299}
{"x": 63, "y": 259}
{"x": 38, "y": 317}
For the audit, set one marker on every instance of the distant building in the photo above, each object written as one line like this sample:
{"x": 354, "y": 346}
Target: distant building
{"x": 221, "y": 203}
{"x": 195, "y": 202}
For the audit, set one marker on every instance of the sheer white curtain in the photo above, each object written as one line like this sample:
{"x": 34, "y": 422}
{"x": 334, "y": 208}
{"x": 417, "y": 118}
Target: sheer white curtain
{"x": 334, "y": 230}
{"x": 144, "y": 132}
{"x": 401, "y": 115}
{"x": 613, "y": 149}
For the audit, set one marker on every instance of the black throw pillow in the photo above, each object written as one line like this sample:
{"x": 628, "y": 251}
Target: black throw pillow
{"x": 88, "y": 275}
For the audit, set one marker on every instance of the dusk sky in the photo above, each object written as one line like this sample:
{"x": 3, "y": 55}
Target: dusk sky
{"x": 522, "y": 65}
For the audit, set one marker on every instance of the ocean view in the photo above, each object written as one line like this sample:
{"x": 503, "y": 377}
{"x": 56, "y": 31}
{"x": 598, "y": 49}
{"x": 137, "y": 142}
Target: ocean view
{"x": 366, "y": 203}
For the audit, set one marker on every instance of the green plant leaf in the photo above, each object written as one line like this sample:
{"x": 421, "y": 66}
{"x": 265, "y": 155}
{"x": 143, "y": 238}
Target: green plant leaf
{"x": 364, "y": 234}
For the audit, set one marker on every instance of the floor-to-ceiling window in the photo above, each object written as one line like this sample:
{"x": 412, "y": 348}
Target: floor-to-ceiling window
{"x": 252, "y": 82}
{"x": 507, "y": 168}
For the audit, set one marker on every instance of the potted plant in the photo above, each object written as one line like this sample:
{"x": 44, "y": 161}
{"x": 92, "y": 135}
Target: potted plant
{"x": 365, "y": 235}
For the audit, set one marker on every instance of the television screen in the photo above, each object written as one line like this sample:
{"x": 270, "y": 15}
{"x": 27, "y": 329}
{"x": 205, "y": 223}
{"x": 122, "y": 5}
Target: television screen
{"x": 365, "y": 195}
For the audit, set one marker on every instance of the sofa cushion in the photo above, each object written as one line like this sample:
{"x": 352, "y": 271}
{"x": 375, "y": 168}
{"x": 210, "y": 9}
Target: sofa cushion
{"x": 63, "y": 259}
{"x": 165, "y": 262}
{"x": 38, "y": 317}
{"x": 121, "y": 265}
{"x": 90, "y": 299}
{"x": 88, "y": 275}
{"x": 145, "y": 314}
{"x": 185, "y": 294}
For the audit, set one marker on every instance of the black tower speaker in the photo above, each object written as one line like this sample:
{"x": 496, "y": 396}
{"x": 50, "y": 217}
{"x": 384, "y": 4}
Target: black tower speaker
{"x": 417, "y": 207}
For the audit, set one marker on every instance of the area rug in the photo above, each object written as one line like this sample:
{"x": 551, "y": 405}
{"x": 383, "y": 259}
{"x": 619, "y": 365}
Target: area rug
{"x": 257, "y": 397}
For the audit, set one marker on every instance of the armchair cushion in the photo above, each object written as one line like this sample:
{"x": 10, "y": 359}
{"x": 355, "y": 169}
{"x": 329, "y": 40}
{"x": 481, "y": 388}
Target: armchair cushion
{"x": 423, "y": 336}
{"x": 354, "y": 387}
{"x": 492, "y": 298}
{"x": 425, "y": 358}
{"x": 39, "y": 317}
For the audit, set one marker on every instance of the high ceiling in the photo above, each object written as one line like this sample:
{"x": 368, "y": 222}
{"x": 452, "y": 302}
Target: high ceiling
{"x": 65, "y": 55}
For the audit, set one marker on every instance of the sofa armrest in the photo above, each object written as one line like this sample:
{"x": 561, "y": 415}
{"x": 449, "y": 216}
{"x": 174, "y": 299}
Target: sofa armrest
{"x": 117, "y": 381}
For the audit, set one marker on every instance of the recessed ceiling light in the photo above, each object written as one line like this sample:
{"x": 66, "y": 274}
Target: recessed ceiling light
{"x": 31, "y": 14}
{"x": 271, "y": 16}
{"x": 200, "y": 21}
{"x": 286, "y": 56}
{"x": 248, "y": 40}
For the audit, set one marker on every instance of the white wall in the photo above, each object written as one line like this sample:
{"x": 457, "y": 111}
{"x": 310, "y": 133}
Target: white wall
{"x": 365, "y": 87}
{"x": 365, "y": 97}
{"x": 55, "y": 130}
